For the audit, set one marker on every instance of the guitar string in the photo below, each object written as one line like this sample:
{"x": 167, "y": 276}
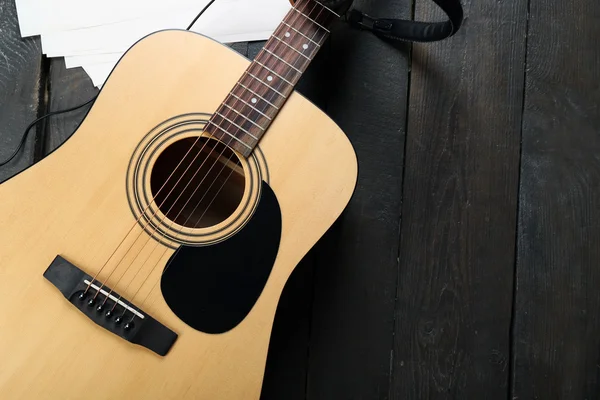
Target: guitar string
{"x": 143, "y": 214}
{"x": 155, "y": 285}
{"x": 106, "y": 281}
{"x": 186, "y": 221}
{"x": 166, "y": 249}
{"x": 189, "y": 199}
{"x": 148, "y": 237}
{"x": 212, "y": 150}
{"x": 206, "y": 7}
{"x": 214, "y": 198}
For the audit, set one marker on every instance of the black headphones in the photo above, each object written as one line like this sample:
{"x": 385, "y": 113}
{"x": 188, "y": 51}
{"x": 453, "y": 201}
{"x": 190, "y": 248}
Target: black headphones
{"x": 398, "y": 29}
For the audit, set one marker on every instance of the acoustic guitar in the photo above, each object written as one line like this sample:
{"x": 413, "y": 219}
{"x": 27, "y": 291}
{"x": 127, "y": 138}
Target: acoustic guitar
{"x": 145, "y": 257}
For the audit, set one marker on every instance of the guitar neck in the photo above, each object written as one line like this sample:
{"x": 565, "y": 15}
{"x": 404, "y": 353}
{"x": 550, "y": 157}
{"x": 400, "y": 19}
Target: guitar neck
{"x": 252, "y": 104}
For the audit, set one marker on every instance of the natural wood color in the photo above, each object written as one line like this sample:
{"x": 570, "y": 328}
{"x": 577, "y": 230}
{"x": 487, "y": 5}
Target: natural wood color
{"x": 253, "y": 171}
{"x": 73, "y": 203}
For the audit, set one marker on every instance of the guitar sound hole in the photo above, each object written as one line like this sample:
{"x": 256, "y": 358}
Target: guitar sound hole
{"x": 200, "y": 187}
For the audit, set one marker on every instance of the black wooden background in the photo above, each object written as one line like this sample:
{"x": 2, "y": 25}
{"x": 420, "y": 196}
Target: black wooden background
{"x": 467, "y": 263}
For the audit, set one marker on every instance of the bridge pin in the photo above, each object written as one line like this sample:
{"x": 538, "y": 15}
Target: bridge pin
{"x": 100, "y": 308}
{"x": 128, "y": 326}
{"x": 108, "y": 314}
{"x": 91, "y": 302}
{"x": 81, "y": 296}
{"x": 118, "y": 320}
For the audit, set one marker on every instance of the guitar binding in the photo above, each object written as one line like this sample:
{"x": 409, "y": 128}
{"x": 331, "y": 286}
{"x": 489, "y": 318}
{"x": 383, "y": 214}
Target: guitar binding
{"x": 135, "y": 325}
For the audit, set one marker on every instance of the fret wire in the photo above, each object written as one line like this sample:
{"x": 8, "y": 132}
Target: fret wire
{"x": 236, "y": 125}
{"x": 309, "y": 18}
{"x": 281, "y": 59}
{"x": 314, "y": 50}
{"x": 267, "y": 85}
{"x": 266, "y": 50}
{"x": 291, "y": 27}
{"x": 254, "y": 108}
{"x": 285, "y": 70}
{"x": 296, "y": 25}
{"x": 309, "y": 57}
{"x": 230, "y": 134}
{"x": 304, "y": 62}
{"x": 274, "y": 45}
{"x": 292, "y": 47}
{"x": 317, "y": 39}
{"x": 270, "y": 70}
{"x": 327, "y": 16}
{"x": 315, "y": 14}
{"x": 328, "y": 9}
{"x": 265, "y": 100}
{"x": 243, "y": 116}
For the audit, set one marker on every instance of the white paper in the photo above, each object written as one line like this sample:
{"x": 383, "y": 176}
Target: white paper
{"x": 98, "y": 72}
{"x": 110, "y": 38}
{"x": 94, "y": 35}
{"x": 37, "y": 17}
{"x": 241, "y": 20}
{"x": 91, "y": 59}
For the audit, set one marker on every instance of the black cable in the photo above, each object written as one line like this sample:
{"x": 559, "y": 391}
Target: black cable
{"x": 28, "y": 129}
{"x": 199, "y": 14}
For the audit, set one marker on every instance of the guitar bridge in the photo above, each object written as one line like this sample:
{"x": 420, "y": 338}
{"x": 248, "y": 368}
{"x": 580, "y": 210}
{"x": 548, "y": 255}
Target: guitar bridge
{"x": 73, "y": 283}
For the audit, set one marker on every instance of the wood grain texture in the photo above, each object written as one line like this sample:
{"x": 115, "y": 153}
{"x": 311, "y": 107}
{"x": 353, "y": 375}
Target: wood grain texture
{"x": 557, "y": 328}
{"x": 85, "y": 214}
{"x": 66, "y": 88}
{"x": 20, "y": 73}
{"x": 454, "y": 295}
{"x": 356, "y": 263}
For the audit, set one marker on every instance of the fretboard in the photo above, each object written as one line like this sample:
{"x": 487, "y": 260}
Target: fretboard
{"x": 248, "y": 110}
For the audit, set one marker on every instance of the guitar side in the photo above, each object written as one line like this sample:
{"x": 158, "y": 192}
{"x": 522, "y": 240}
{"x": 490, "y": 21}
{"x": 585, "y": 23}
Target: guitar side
{"x": 75, "y": 204}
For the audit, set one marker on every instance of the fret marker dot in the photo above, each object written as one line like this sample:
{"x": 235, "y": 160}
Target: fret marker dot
{"x": 287, "y": 34}
{"x": 254, "y": 100}
{"x": 269, "y": 78}
{"x": 305, "y": 46}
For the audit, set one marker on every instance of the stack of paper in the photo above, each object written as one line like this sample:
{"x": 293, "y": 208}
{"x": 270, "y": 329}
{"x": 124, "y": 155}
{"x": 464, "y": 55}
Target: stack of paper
{"x": 94, "y": 34}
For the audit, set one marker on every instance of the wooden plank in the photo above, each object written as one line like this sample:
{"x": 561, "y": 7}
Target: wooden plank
{"x": 67, "y": 88}
{"x": 241, "y": 47}
{"x": 21, "y": 83}
{"x": 454, "y": 296}
{"x": 286, "y": 369}
{"x": 357, "y": 265}
{"x": 557, "y": 329}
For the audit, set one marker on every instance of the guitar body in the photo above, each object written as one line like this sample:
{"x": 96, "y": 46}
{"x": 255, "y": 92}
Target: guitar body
{"x": 220, "y": 290}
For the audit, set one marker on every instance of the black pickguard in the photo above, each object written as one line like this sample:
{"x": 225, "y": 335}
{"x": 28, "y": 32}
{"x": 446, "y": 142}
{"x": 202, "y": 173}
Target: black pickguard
{"x": 213, "y": 288}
